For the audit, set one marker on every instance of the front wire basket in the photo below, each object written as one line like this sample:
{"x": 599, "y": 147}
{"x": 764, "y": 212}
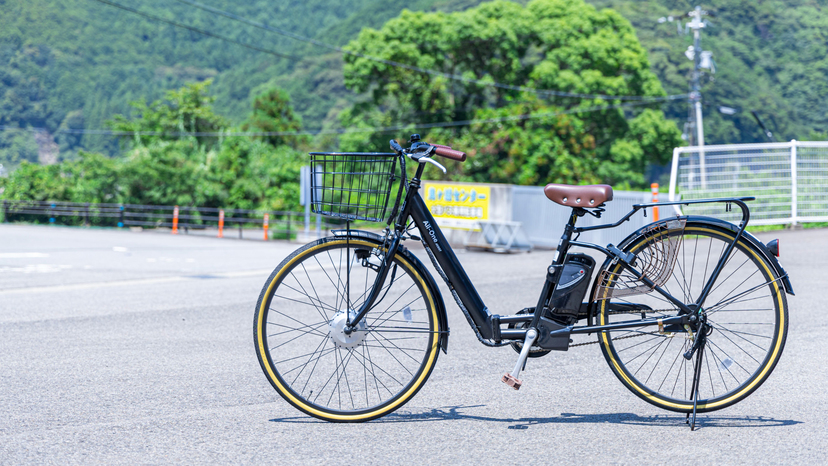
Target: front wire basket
{"x": 352, "y": 186}
{"x": 657, "y": 261}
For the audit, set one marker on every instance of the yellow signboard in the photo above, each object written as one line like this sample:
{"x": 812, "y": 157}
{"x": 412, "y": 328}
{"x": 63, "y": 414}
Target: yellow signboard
{"x": 456, "y": 205}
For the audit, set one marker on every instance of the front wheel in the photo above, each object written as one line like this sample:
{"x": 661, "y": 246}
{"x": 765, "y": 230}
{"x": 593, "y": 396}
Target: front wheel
{"x": 313, "y": 363}
{"x": 746, "y": 311}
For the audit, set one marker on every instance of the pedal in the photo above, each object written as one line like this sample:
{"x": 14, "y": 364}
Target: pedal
{"x": 511, "y": 381}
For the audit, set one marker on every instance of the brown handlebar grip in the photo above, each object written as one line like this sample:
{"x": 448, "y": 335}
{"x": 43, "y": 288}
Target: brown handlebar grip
{"x": 449, "y": 153}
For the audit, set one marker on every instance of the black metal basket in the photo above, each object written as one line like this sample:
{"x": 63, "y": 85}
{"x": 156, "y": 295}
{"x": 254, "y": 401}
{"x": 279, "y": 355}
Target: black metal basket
{"x": 352, "y": 186}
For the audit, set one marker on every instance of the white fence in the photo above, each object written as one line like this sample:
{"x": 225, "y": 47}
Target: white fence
{"x": 788, "y": 179}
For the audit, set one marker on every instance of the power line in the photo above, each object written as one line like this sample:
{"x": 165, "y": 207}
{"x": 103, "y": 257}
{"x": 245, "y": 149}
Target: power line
{"x": 200, "y": 31}
{"x": 386, "y": 129}
{"x": 547, "y": 92}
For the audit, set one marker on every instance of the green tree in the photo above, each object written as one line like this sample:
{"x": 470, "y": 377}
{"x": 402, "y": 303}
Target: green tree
{"x": 563, "y": 45}
{"x": 272, "y": 113}
{"x": 233, "y": 172}
{"x": 185, "y": 110}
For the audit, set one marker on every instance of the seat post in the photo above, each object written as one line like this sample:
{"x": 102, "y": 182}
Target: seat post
{"x": 569, "y": 229}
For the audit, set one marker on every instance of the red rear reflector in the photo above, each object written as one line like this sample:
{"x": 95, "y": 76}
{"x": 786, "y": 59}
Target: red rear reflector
{"x": 773, "y": 247}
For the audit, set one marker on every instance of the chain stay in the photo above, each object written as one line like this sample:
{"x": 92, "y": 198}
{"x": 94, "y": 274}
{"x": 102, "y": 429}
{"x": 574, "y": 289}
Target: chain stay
{"x": 621, "y": 338}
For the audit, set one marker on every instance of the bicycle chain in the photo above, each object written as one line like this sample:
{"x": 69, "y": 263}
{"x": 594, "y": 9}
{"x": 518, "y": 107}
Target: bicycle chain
{"x": 616, "y": 338}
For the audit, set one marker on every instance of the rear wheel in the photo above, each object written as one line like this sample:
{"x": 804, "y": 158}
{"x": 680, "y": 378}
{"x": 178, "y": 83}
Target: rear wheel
{"x": 746, "y": 309}
{"x": 313, "y": 363}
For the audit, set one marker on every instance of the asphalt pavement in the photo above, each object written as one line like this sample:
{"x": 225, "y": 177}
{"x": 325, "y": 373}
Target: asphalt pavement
{"x": 136, "y": 347}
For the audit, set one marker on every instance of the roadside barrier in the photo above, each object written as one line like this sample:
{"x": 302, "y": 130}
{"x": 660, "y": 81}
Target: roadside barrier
{"x": 221, "y": 224}
{"x": 280, "y": 224}
{"x": 175, "y": 221}
{"x": 654, "y": 189}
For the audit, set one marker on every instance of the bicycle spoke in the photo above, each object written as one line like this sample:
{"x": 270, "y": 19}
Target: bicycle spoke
{"x": 710, "y": 376}
{"x": 401, "y": 350}
{"x": 720, "y": 365}
{"x": 292, "y": 329}
{"x": 313, "y": 288}
{"x": 678, "y": 354}
{"x": 655, "y": 347}
{"x": 291, "y": 318}
{"x": 392, "y": 355}
{"x": 377, "y": 366}
{"x": 728, "y": 357}
{"x": 295, "y": 338}
{"x": 321, "y": 314}
{"x": 742, "y": 349}
{"x": 348, "y": 385}
{"x": 658, "y": 361}
{"x": 292, "y": 300}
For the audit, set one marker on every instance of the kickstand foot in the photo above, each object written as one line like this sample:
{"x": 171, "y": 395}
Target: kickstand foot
{"x": 693, "y": 423}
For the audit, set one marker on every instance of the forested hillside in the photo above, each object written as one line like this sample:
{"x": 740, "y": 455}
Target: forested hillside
{"x": 75, "y": 64}
{"x": 771, "y": 56}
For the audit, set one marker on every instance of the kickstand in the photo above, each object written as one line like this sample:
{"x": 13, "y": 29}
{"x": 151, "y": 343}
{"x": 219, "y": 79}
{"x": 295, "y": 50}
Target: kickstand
{"x": 695, "y": 389}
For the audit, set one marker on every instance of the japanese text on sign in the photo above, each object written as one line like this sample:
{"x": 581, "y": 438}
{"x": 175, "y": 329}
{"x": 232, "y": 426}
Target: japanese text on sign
{"x": 457, "y": 205}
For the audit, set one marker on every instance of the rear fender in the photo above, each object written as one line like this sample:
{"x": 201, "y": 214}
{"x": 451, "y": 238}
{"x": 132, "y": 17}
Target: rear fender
{"x": 754, "y": 241}
{"x": 714, "y": 222}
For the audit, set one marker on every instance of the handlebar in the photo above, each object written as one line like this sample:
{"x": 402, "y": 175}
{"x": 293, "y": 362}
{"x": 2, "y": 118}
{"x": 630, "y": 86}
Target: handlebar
{"x": 439, "y": 149}
{"x": 449, "y": 153}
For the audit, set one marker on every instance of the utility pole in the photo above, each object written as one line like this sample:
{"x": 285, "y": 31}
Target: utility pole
{"x": 695, "y": 120}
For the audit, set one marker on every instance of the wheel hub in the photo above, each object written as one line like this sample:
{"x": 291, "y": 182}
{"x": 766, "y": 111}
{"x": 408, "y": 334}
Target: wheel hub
{"x": 336, "y": 330}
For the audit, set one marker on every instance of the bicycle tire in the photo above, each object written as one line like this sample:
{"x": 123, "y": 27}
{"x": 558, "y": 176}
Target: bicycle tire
{"x": 749, "y": 323}
{"x": 380, "y": 366}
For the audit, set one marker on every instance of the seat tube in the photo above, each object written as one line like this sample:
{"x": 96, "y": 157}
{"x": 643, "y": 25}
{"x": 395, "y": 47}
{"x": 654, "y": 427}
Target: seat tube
{"x": 554, "y": 271}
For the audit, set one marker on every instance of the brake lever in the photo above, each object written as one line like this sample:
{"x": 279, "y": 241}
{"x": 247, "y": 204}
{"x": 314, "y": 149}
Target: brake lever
{"x": 433, "y": 162}
{"x": 423, "y": 158}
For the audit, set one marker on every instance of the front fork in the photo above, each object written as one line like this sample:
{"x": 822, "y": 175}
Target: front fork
{"x": 382, "y": 274}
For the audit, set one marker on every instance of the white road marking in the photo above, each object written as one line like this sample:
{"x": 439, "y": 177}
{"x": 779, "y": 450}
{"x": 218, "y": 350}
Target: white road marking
{"x": 140, "y": 281}
{"x": 22, "y": 255}
{"x": 35, "y": 268}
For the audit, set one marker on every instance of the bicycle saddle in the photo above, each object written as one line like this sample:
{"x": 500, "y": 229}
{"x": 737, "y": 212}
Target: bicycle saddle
{"x": 578, "y": 196}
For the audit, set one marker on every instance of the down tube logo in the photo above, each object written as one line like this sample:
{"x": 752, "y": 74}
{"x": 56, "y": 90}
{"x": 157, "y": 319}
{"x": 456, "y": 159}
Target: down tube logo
{"x": 458, "y": 205}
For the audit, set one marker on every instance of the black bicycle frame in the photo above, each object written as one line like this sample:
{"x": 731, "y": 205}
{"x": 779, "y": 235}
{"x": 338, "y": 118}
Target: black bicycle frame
{"x": 486, "y": 324}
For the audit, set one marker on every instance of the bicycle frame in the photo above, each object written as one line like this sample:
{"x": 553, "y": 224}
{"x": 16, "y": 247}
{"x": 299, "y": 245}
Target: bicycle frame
{"x": 487, "y": 326}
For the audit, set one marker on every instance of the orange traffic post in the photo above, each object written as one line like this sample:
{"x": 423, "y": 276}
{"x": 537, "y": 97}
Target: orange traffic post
{"x": 654, "y": 189}
{"x": 175, "y": 221}
{"x": 221, "y": 224}
{"x": 266, "y": 218}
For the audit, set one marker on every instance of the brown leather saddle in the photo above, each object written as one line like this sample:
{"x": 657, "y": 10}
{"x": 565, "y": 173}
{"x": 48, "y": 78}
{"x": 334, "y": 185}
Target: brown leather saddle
{"x": 578, "y": 196}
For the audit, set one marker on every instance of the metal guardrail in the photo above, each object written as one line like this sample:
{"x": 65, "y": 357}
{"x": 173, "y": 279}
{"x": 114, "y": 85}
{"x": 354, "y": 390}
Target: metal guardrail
{"x": 543, "y": 220}
{"x": 280, "y": 224}
{"x": 788, "y": 179}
